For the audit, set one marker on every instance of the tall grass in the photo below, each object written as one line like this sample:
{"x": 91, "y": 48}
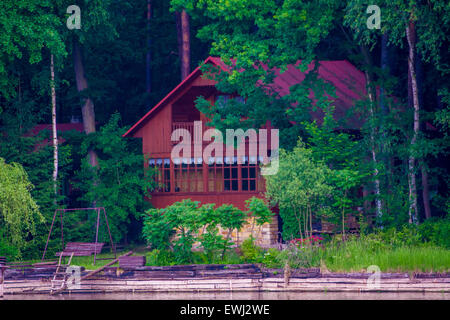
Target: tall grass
{"x": 358, "y": 254}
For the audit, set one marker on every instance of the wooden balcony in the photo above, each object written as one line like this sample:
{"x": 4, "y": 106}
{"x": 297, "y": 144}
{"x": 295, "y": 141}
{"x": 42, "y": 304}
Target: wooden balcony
{"x": 189, "y": 126}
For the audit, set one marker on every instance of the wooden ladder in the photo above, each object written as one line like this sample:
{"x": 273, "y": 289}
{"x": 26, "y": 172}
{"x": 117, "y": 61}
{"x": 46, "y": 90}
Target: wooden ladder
{"x": 63, "y": 275}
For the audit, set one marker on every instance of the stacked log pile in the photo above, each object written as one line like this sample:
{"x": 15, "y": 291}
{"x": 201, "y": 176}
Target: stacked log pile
{"x": 32, "y": 272}
{"x": 222, "y": 278}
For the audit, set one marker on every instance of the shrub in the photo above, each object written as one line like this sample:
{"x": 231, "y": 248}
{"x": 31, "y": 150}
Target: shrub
{"x": 251, "y": 253}
{"x": 312, "y": 240}
{"x": 160, "y": 258}
{"x": 119, "y": 183}
{"x": 19, "y": 213}
{"x": 271, "y": 259}
{"x": 299, "y": 257}
{"x": 179, "y": 226}
{"x": 436, "y": 231}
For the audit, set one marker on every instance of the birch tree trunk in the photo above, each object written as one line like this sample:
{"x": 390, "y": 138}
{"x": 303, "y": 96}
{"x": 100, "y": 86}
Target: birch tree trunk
{"x": 372, "y": 100}
{"x": 411, "y": 37}
{"x": 423, "y": 166}
{"x": 54, "y": 131}
{"x": 87, "y": 109}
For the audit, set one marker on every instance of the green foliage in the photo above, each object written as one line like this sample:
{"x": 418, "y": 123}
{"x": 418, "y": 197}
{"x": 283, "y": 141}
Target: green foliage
{"x": 391, "y": 250}
{"x": 119, "y": 183}
{"x": 252, "y": 38}
{"x": 173, "y": 227}
{"x": 251, "y": 253}
{"x": 299, "y": 257}
{"x": 432, "y": 232}
{"x": 259, "y": 211}
{"x": 272, "y": 259}
{"x": 300, "y": 187}
{"x": 160, "y": 258}
{"x": 156, "y": 230}
{"x": 27, "y": 27}
{"x": 245, "y": 34}
{"x": 341, "y": 152}
{"x": 18, "y": 210}
{"x": 436, "y": 232}
{"x": 356, "y": 254}
{"x": 179, "y": 226}
{"x": 256, "y": 37}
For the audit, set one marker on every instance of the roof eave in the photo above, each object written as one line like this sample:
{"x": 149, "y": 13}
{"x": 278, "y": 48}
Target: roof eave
{"x": 191, "y": 76}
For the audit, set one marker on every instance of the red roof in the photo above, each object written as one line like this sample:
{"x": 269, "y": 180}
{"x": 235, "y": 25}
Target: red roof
{"x": 59, "y": 127}
{"x": 347, "y": 79}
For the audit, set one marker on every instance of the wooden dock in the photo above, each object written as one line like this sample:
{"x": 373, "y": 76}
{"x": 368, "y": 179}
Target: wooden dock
{"x": 327, "y": 284}
{"x": 223, "y": 278}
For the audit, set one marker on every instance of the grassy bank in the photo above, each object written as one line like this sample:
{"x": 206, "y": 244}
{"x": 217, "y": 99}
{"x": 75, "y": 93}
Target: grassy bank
{"x": 356, "y": 254}
{"x": 354, "y": 257}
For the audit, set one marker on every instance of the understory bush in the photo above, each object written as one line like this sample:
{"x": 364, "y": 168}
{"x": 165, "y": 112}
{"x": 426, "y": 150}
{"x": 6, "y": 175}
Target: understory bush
{"x": 391, "y": 250}
{"x": 251, "y": 253}
{"x": 160, "y": 258}
{"x": 175, "y": 231}
{"x": 436, "y": 231}
{"x": 179, "y": 227}
{"x": 356, "y": 254}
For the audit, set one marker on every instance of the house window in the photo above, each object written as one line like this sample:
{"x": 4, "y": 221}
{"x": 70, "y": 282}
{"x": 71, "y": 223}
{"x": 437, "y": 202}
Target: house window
{"x": 230, "y": 174}
{"x": 188, "y": 174}
{"x": 215, "y": 174}
{"x": 162, "y": 173}
{"x": 249, "y": 172}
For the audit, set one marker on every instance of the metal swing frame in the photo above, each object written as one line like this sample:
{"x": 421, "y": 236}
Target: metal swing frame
{"x": 62, "y": 213}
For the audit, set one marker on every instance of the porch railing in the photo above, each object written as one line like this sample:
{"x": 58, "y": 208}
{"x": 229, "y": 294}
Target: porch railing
{"x": 189, "y": 126}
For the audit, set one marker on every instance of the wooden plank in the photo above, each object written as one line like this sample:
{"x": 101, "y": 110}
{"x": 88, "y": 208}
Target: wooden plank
{"x": 164, "y": 274}
{"x": 105, "y": 266}
{"x": 131, "y": 262}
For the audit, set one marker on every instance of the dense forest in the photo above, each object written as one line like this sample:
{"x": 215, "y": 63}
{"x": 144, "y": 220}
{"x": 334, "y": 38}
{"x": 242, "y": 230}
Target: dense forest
{"x": 103, "y": 69}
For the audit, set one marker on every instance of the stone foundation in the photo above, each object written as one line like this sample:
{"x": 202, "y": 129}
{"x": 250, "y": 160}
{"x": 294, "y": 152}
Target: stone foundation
{"x": 265, "y": 236}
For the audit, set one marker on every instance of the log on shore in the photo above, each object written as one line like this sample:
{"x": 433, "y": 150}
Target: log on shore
{"x": 90, "y": 274}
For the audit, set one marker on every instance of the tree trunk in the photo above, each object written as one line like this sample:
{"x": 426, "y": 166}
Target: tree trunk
{"x": 297, "y": 217}
{"x": 411, "y": 37}
{"x": 372, "y": 99}
{"x": 366, "y": 204}
{"x": 425, "y": 192}
{"x": 185, "y": 54}
{"x": 384, "y": 108}
{"x": 179, "y": 35}
{"x": 310, "y": 220}
{"x": 423, "y": 168}
{"x": 384, "y": 62}
{"x": 87, "y": 109}
{"x": 148, "y": 75}
{"x": 54, "y": 131}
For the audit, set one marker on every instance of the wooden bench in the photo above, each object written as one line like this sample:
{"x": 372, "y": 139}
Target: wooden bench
{"x": 130, "y": 262}
{"x": 81, "y": 249}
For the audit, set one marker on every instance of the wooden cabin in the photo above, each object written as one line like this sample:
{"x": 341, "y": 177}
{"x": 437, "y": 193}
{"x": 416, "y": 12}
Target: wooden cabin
{"x": 222, "y": 179}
